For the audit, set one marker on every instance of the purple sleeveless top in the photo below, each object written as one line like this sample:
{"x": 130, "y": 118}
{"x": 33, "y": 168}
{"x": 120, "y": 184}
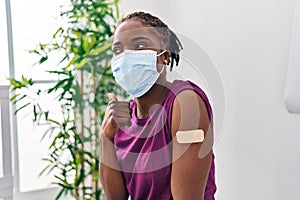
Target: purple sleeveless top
{"x": 144, "y": 150}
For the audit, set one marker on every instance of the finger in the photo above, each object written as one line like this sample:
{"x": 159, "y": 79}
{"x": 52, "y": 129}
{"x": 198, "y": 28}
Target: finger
{"x": 120, "y": 106}
{"x": 118, "y": 113}
{"x": 118, "y": 110}
{"x": 122, "y": 112}
{"x": 125, "y": 114}
{"x": 112, "y": 97}
{"x": 121, "y": 122}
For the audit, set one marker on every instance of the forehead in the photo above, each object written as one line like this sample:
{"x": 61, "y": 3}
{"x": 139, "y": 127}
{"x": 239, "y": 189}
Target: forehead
{"x": 135, "y": 27}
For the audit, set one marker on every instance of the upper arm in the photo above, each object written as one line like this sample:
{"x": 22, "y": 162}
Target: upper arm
{"x": 191, "y": 162}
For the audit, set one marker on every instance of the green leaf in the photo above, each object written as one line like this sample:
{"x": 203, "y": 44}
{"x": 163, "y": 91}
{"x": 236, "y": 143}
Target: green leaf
{"x": 88, "y": 41}
{"x": 14, "y": 97}
{"x": 53, "y": 121}
{"x": 81, "y": 176}
{"x": 48, "y": 131}
{"x": 59, "y": 30}
{"x": 35, "y": 113}
{"x": 46, "y": 113}
{"x": 80, "y": 64}
{"x": 19, "y": 99}
{"x": 58, "y": 85}
{"x": 60, "y": 193}
{"x": 57, "y": 72}
{"x": 43, "y": 59}
{"x": 44, "y": 170}
{"x": 15, "y": 83}
{"x": 22, "y": 107}
{"x": 58, "y": 136}
{"x": 74, "y": 59}
{"x": 100, "y": 49}
{"x": 27, "y": 81}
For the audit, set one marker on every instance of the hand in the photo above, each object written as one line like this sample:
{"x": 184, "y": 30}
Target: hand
{"x": 117, "y": 114}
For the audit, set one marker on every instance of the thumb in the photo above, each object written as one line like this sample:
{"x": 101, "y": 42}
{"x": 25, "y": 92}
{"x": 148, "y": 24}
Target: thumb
{"x": 112, "y": 97}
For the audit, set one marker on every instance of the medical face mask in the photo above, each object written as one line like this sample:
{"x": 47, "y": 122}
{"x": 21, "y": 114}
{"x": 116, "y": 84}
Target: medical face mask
{"x": 135, "y": 70}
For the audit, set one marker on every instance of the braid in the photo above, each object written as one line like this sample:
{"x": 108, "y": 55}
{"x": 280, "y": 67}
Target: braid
{"x": 169, "y": 38}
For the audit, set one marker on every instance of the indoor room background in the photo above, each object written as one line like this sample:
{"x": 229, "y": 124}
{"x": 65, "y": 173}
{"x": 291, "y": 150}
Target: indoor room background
{"x": 250, "y": 44}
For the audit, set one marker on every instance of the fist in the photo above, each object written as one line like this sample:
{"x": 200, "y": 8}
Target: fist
{"x": 117, "y": 114}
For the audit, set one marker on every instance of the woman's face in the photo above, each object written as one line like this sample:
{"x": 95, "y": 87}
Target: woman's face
{"x": 132, "y": 34}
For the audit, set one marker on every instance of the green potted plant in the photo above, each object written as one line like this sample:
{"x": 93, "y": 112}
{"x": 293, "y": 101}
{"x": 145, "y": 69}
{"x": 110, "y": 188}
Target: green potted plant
{"x": 82, "y": 82}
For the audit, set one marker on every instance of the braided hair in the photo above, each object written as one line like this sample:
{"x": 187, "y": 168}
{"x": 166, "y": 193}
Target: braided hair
{"x": 170, "y": 39}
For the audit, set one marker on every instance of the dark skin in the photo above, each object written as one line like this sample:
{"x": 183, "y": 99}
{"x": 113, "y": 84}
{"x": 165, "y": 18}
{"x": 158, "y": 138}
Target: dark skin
{"x": 189, "y": 170}
{"x": 133, "y": 35}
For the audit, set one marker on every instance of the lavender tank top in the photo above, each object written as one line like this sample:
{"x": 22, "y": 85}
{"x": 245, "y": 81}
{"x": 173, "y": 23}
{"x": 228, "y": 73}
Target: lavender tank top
{"x": 144, "y": 150}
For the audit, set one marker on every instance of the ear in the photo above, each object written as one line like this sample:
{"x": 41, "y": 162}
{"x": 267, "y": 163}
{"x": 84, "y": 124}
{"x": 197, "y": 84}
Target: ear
{"x": 166, "y": 57}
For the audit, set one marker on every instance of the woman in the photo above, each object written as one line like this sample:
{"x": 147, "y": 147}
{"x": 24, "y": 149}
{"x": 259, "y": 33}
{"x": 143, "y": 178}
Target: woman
{"x": 153, "y": 147}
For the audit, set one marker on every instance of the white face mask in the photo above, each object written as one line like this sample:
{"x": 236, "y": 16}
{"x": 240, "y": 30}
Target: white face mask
{"x": 135, "y": 70}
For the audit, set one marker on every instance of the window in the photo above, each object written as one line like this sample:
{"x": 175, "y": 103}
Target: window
{"x": 33, "y": 21}
{"x": 4, "y": 72}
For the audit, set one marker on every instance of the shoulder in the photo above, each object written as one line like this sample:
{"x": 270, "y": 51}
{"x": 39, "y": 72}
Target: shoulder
{"x": 191, "y": 109}
{"x": 179, "y": 86}
{"x": 189, "y": 105}
{"x": 190, "y": 95}
{"x": 187, "y": 91}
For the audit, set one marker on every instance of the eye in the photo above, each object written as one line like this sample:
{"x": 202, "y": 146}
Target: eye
{"x": 141, "y": 46}
{"x": 117, "y": 51}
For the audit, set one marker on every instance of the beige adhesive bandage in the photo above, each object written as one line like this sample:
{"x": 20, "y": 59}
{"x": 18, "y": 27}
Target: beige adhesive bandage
{"x": 190, "y": 136}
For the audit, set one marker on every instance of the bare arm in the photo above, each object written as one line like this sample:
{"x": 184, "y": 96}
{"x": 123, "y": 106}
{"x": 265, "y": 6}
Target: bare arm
{"x": 110, "y": 175}
{"x": 191, "y": 162}
{"x": 116, "y": 115}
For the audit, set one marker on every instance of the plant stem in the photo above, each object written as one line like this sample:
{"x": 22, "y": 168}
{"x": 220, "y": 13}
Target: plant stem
{"x": 95, "y": 182}
{"x": 82, "y": 129}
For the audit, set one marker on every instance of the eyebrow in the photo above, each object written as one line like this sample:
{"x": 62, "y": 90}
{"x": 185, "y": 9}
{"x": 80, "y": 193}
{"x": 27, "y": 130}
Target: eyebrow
{"x": 139, "y": 38}
{"x": 116, "y": 43}
{"x": 132, "y": 40}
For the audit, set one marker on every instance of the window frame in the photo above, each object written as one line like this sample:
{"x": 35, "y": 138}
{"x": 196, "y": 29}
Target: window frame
{"x": 11, "y": 147}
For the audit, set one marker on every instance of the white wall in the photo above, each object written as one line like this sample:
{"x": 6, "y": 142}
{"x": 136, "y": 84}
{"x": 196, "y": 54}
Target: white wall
{"x": 257, "y": 156}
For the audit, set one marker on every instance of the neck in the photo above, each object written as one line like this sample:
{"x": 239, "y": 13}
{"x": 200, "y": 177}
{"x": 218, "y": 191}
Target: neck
{"x": 154, "y": 96}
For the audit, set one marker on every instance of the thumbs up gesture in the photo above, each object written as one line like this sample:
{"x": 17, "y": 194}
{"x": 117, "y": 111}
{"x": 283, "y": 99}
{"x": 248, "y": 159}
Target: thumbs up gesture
{"x": 117, "y": 114}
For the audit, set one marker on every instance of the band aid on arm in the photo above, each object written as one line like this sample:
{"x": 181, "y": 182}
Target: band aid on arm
{"x": 190, "y": 136}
